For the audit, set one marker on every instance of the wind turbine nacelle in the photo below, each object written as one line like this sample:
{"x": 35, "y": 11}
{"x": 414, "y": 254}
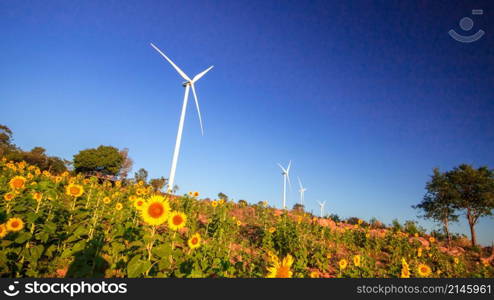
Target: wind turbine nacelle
{"x": 185, "y": 83}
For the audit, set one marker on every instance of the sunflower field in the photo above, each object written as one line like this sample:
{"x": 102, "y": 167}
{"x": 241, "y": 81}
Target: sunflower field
{"x": 67, "y": 225}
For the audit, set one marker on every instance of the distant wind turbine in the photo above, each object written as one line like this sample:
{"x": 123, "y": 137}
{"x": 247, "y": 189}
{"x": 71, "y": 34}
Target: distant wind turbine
{"x": 286, "y": 177}
{"x": 321, "y": 205}
{"x": 188, "y": 84}
{"x": 301, "y": 191}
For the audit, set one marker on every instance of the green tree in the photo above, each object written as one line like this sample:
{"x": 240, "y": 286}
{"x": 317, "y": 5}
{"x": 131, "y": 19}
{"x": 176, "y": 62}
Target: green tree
{"x": 5, "y": 135}
{"x": 223, "y": 196}
{"x": 473, "y": 193}
{"x": 104, "y": 159}
{"x": 141, "y": 174}
{"x": 127, "y": 163}
{"x": 335, "y": 218}
{"x": 158, "y": 183}
{"x": 438, "y": 202}
{"x": 6, "y": 145}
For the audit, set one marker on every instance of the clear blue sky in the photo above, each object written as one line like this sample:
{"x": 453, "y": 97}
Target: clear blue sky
{"x": 365, "y": 97}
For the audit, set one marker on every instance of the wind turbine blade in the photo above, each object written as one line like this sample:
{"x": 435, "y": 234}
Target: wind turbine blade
{"x": 282, "y": 167}
{"x": 289, "y": 165}
{"x": 300, "y": 183}
{"x": 289, "y": 183}
{"x": 197, "y": 106}
{"x": 198, "y": 76}
{"x": 184, "y": 76}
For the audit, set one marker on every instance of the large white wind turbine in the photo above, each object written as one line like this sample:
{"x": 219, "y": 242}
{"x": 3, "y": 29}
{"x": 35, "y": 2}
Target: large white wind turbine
{"x": 321, "y": 204}
{"x": 286, "y": 177}
{"x": 188, "y": 84}
{"x": 301, "y": 191}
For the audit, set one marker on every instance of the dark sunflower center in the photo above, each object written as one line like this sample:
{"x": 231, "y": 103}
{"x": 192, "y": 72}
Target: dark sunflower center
{"x": 177, "y": 220}
{"x": 18, "y": 183}
{"x": 156, "y": 210}
{"x": 283, "y": 272}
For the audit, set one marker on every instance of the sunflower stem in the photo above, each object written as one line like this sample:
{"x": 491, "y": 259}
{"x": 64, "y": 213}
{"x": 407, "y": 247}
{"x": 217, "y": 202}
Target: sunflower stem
{"x": 150, "y": 245}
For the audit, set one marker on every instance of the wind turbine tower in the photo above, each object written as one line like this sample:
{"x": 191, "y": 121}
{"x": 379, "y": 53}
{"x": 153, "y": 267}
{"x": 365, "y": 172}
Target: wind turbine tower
{"x": 188, "y": 84}
{"x": 301, "y": 191}
{"x": 321, "y": 205}
{"x": 286, "y": 176}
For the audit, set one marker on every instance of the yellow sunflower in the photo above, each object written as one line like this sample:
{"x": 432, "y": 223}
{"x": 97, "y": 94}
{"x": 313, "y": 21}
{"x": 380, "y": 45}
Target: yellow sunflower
{"x": 315, "y": 274}
{"x": 214, "y": 203}
{"x": 17, "y": 183}
{"x": 271, "y": 229}
{"x": 356, "y": 260}
{"x": 424, "y": 270}
{"x": 405, "y": 270}
{"x": 9, "y": 196}
{"x": 155, "y": 211}
{"x": 139, "y": 203}
{"x": 15, "y": 224}
{"x": 221, "y": 201}
{"x": 343, "y": 263}
{"x": 456, "y": 260}
{"x": 177, "y": 220}
{"x": 419, "y": 252}
{"x": 140, "y": 183}
{"x": 195, "y": 194}
{"x": 75, "y": 190}
{"x": 119, "y": 206}
{"x": 194, "y": 241}
{"x": 3, "y": 231}
{"x": 37, "y": 196}
{"x": 106, "y": 200}
{"x": 328, "y": 255}
{"x": 432, "y": 239}
{"x": 280, "y": 269}
{"x": 132, "y": 198}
